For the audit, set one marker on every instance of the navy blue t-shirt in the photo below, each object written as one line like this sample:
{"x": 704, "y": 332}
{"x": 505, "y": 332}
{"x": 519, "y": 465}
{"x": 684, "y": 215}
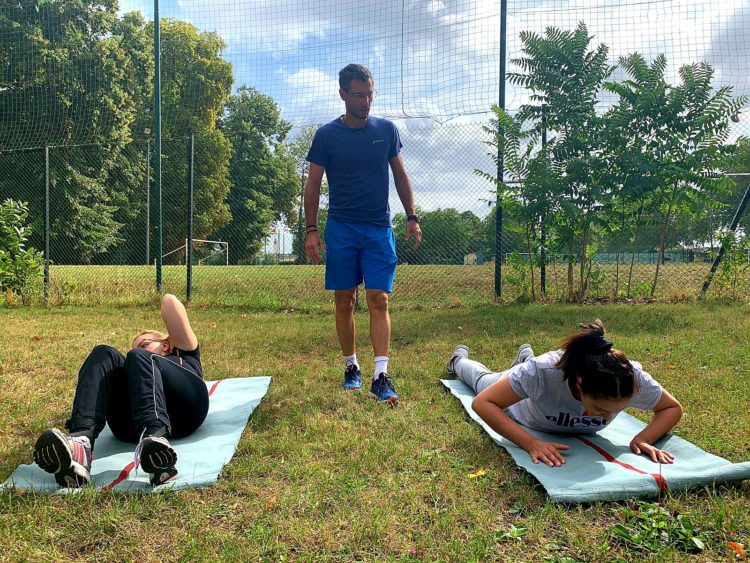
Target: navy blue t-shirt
{"x": 190, "y": 357}
{"x": 356, "y": 165}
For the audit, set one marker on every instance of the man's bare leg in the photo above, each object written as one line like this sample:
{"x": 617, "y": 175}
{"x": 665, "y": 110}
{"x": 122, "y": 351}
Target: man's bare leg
{"x": 380, "y": 335}
{"x": 380, "y": 321}
{"x": 345, "y": 299}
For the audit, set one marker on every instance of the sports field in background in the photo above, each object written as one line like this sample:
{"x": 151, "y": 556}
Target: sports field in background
{"x": 324, "y": 475}
{"x": 290, "y": 287}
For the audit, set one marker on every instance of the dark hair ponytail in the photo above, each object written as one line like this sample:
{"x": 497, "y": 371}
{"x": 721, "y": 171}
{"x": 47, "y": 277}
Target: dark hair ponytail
{"x": 605, "y": 373}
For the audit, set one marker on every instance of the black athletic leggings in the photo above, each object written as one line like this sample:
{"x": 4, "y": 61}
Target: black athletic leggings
{"x": 137, "y": 391}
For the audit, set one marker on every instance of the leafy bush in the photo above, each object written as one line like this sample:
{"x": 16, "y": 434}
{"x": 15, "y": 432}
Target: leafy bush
{"x": 518, "y": 276}
{"x": 731, "y": 277}
{"x": 651, "y": 527}
{"x": 19, "y": 266}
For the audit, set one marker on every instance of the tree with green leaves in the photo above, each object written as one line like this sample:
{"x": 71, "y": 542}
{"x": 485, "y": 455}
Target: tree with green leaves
{"x": 671, "y": 142}
{"x": 704, "y": 228}
{"x": 64, "y": 85}
{"x": 529, "y": 197}
{"x": 453, "y": 234}
{"x": 264, "y": 182}
{"x": 299, "y": 146}
{"x": 564, "y": 78}
{"x": 196, "y": 85}
{"x": 20, "y": 266}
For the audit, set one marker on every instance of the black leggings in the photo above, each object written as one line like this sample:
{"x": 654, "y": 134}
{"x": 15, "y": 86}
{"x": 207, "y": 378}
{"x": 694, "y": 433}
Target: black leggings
{"x": 134, "y": 392}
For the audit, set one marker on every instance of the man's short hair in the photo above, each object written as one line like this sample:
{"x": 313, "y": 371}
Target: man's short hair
{"x": 353, "y": 72}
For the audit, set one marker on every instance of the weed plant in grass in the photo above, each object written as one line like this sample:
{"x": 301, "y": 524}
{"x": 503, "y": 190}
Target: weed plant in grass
{"x": 326, "y": 475}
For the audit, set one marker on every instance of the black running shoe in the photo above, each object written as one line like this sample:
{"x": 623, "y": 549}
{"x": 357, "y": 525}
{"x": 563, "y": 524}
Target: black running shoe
{"x": 157, "y": 458}
{"x": 68, "y": 457}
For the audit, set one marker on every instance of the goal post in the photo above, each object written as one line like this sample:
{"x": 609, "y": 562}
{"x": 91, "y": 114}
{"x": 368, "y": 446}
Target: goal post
{"x": 205, "y": 253}
{"x": 211, "y": 250}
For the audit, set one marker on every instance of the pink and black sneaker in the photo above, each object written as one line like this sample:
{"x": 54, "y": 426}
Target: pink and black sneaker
{"x": 68, "y": 457}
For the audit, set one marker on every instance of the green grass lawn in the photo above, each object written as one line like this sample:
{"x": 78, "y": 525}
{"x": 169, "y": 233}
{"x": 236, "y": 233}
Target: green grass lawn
{"x": 325, "y": 475}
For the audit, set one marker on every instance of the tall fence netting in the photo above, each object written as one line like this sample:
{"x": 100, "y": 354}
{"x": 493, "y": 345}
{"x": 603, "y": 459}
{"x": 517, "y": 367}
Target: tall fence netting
{"x": 252, "y": 80}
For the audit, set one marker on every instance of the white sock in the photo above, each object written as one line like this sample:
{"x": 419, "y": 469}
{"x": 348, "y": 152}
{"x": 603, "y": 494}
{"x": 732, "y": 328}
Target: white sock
{"x": 351, "y": 361}
{"x": 381, "y": 366}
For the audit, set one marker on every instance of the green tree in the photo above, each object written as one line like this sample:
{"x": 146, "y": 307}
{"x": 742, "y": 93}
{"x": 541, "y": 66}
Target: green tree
{"x": 741, "y": 165}
{"x": 564, "y": 78}
{"x": 453, "y": 234}
{"x": 135, "y": 36}
{"x": 299, "y": 146}
{"x": 513, "y": 229}
{"x": 65, "y": 77}
{"x": 20, "y": 266}
{"x": 264, "y": 182}
{"x": 196, "y": 85}
{"x": 704, "y": 228}
{"x": 528, "y": 199}
{"x": 671, "y": 141}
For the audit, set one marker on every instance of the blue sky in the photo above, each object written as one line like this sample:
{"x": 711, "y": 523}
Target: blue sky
{"x": 439, "y": 58}
{"x": 436, "y": 62}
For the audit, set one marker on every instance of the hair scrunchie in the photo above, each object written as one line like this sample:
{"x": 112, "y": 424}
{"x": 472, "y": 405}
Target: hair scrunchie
{"x": 600, "y": 345}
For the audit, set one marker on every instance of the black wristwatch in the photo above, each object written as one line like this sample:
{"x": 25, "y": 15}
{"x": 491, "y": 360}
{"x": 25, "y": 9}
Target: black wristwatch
{"x": 414, "y": 218}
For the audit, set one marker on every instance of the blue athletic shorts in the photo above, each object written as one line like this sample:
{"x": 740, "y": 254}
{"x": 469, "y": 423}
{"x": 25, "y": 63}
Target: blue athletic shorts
{"x": 357, "y": 252}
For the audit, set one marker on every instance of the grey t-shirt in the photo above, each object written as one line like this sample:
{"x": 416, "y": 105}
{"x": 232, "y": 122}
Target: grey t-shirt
{"x": 549, "y": 405}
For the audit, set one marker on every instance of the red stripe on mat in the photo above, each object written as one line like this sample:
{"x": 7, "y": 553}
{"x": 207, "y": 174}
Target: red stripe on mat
{"x": 213, "y": 387}
{"x": 129, "y": 467}
{"x": 660, "y": 481}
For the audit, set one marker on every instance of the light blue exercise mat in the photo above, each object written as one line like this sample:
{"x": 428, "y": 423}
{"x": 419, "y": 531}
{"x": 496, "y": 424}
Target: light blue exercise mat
{"x": 200, "y": 456}
{"x": 602, "y": 467}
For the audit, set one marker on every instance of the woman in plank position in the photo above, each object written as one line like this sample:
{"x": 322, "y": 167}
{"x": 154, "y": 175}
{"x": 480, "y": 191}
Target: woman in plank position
{"x": 577, "y": 389}
{"x": 154, "y": 392}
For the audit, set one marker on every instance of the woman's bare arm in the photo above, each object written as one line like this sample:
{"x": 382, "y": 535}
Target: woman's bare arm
{"x": 667, "y": 413}
{"x": 490, "y": 405}
{"x": 175, "y": 317}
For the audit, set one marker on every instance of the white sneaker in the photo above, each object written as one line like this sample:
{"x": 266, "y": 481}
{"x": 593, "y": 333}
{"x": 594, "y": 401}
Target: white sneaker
{"x": 524, "y": 353}
{"x": 461, "y": 351}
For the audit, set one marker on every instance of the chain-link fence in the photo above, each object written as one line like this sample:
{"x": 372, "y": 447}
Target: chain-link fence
{"x": 251, "y": 81}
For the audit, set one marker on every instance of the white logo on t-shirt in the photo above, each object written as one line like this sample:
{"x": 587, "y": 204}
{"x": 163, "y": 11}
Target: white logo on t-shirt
{"x": 584, "y": 421}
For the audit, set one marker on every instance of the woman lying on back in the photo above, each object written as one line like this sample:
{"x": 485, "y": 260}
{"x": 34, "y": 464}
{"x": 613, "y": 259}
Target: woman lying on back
{"x": 154, "y": 392}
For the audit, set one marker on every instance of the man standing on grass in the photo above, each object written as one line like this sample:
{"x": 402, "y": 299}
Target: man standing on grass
{"x": 355, "y": 152}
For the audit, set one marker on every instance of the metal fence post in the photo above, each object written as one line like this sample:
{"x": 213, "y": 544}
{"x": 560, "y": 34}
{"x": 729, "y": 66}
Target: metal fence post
{"x": 157, "y": 128}
{"x": 189, "y": 243}
{"x": 542, "y": 230}
{"x": 46, "y": 224}
{"x": 148, "y": 201}
{"x": 500, "y": 163}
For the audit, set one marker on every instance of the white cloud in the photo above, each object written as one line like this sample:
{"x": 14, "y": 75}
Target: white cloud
{"x": 314, "y": 90}
{"x": 441, "y": 161}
